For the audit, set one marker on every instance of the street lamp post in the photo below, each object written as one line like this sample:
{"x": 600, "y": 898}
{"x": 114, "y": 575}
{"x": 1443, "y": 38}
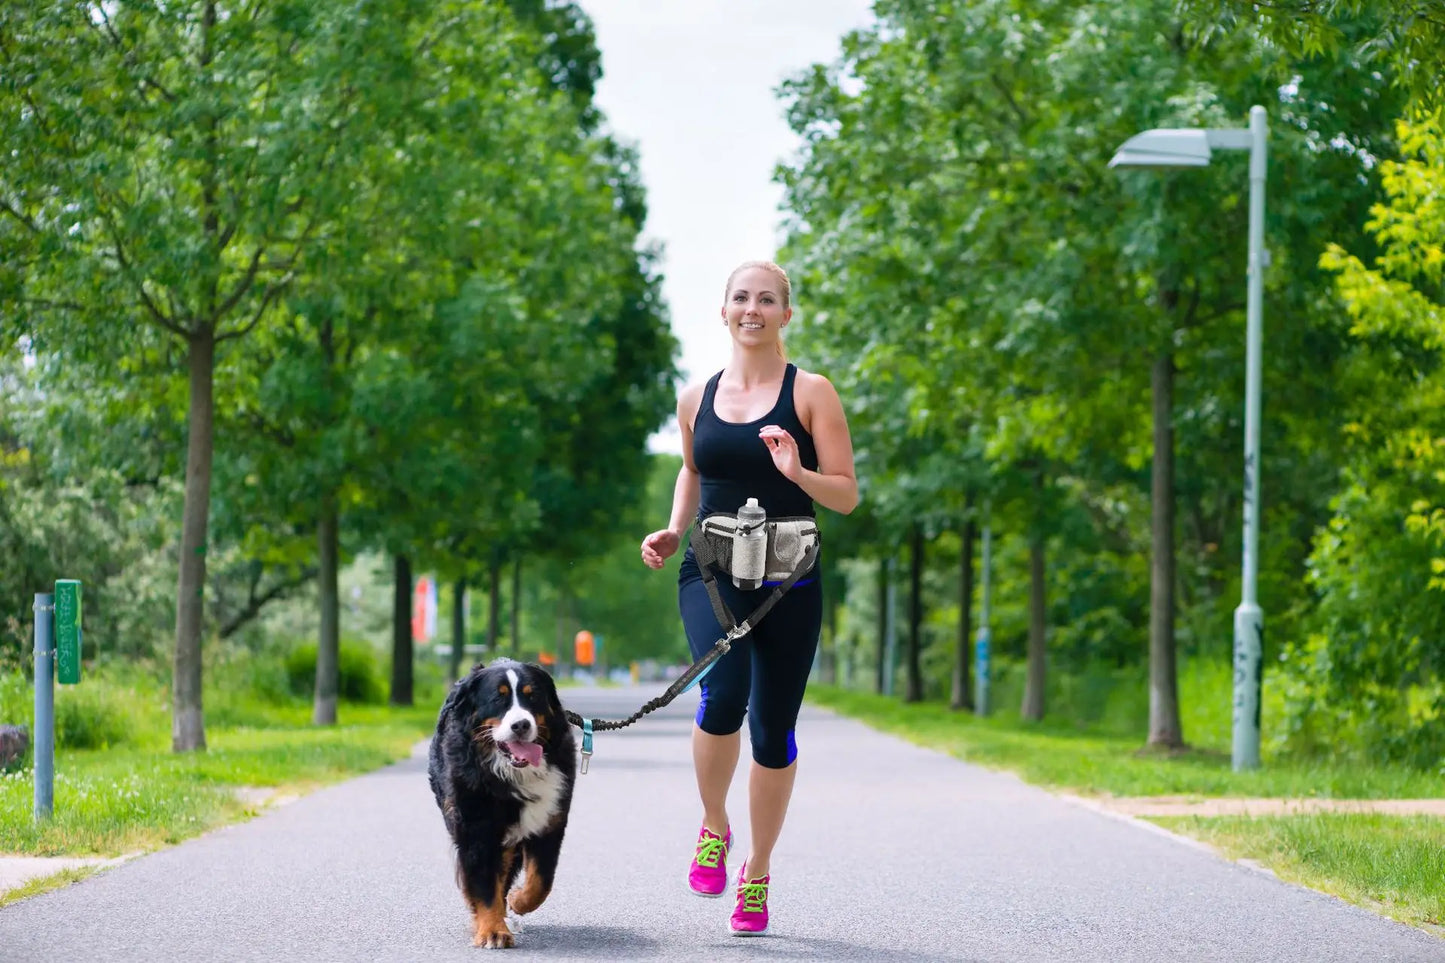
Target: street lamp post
{"x": 1192, "y": 148}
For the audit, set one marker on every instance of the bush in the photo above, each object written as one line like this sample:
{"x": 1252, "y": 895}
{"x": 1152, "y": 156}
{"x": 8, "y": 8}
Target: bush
{"x": 17, "y": 700}
{"x": 260, "y": 675}
{"x": 1366, "y": 679}
{"x": 91, "y": 717}
{"x": 361, "y": 679}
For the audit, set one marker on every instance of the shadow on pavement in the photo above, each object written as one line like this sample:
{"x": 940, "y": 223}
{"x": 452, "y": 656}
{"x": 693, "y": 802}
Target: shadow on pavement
{"x": 616, "y": 942}
{"x": 813, "y": 948}
{"x": 602, "y": 942}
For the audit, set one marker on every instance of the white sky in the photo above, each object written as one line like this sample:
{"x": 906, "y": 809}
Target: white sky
{"x": 692, "y": 84}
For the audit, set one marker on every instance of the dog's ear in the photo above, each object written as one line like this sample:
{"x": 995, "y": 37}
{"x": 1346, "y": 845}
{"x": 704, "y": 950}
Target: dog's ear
{"x": 549, "y": 686}
{"x": 467, "y": 682}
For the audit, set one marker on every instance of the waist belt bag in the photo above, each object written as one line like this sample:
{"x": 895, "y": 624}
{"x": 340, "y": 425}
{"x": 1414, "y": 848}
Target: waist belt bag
{"x": 789, "y": 540}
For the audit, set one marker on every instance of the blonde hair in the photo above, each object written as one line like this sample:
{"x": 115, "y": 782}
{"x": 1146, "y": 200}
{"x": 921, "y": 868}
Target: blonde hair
{"x": 776, "y": 272}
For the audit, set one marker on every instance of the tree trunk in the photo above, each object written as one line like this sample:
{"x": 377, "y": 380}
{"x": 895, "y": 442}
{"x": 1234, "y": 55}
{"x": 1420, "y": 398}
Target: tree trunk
{"x": 517, "y": 604}
{"x": 914, "y": 692}
{"x": 401, "y": 640}
{"x": 459, "y": 629}
{"x": 494, "y": 604}
{"x": 882, "y": 670}
{"x": 188, "y": 730}
{"x": 962, "y": 697}
{"x": 1033, "y": 705}
{"x": 565, "y": 643}
{"x": 328, "y": 648}
{"x": 1165, "y": 730}
{"x": 832, "y": 657}
{"x": 825, "y": 660}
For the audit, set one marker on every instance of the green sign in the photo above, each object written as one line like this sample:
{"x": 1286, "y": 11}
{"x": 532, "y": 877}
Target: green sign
{"x": 67, "y": 631}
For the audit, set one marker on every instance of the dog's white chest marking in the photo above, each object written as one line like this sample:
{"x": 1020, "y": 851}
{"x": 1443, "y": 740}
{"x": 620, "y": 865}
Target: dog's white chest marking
{"x": 545, "y": 792}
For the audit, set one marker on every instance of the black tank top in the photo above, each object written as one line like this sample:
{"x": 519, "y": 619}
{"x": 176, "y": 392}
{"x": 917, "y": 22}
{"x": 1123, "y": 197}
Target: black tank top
{"x": 734, "y": 463}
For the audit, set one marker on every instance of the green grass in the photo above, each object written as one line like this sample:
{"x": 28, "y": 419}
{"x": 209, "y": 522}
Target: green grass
{"x": 132, "y": 793}
{"x": 44, "y": 884}
{"x": 1062, "y": 755}
{"x": 1392, "y": 864}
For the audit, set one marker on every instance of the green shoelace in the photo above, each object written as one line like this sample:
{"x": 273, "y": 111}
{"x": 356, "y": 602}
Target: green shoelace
{"x": 755, "y": 896}
{"x": 709, "y": 848}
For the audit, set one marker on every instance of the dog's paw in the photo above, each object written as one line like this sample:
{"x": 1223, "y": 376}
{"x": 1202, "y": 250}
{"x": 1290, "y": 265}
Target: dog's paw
{"x": 519, "y": 903}
{"x": 527, "y": 897}
{"x": 514, "y": 921}
{"x": 499, "y": 938}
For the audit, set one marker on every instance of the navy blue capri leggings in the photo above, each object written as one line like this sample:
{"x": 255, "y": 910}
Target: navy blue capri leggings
{"x": 765, "y": 672}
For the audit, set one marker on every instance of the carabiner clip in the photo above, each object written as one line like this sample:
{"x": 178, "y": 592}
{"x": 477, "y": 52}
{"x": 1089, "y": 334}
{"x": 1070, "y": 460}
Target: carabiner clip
{"x": 586, "y": 744}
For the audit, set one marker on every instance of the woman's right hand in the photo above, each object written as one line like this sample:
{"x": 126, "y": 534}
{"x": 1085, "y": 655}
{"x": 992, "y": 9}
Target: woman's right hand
{"x": 659, "y": 547}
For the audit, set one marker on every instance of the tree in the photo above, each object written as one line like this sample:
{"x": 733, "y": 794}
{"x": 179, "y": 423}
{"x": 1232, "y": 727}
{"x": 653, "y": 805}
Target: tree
{"x": 954, "y": 181}
{"x": 428, "y": 318}
{"x": 1368, "y": 675}
{"x": 1405, "y": 36}
{"x": 176, "y": 169}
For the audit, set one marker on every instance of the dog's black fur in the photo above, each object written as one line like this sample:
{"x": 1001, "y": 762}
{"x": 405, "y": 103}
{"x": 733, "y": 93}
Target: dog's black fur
{"x": 504, "y": 812}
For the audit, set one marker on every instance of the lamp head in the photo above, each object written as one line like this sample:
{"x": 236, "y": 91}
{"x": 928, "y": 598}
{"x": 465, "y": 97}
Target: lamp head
{"x": 1164, "y": 147}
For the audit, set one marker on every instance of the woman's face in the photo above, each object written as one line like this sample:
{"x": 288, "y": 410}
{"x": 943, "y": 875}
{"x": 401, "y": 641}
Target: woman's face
{"x": 754, "y": 308}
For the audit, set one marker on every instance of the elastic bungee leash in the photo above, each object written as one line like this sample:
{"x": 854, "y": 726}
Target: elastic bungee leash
{"x": 706, "y": 558}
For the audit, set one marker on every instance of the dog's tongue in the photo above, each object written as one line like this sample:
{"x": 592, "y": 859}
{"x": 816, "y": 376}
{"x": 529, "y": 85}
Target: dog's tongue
{"x": 529, "y": 751}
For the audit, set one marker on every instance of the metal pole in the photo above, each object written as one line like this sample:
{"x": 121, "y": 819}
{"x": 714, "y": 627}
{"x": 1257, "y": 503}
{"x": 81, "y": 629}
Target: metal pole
{"x": 44, "y": 705}
{"x": 1248, "y": 617}
{"x": 981, "y": 646}
{"x": 891, "y": 633}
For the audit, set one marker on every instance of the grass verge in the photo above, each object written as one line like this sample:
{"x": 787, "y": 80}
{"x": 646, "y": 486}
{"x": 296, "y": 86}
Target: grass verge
{"x": 138, "y": 795}
{"x": 1394, "y": 865}
{"x": 1062, "y": 755}
{"x": 45, "y": 884}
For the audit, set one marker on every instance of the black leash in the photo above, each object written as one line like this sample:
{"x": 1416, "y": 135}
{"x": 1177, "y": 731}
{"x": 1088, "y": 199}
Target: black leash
{"x": 735, "y": 630}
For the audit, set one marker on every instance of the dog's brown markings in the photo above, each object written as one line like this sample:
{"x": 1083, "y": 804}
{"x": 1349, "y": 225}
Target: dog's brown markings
{"x": 527, "y": 689}
{"x": 504, "y": 689}
{"x": 532, "y": 894}
{"x": 483, "y": 732}
{"x": 490, "y": 919}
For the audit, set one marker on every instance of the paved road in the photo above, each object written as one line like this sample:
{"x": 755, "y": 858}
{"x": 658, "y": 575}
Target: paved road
{"x": 892, "y": 853}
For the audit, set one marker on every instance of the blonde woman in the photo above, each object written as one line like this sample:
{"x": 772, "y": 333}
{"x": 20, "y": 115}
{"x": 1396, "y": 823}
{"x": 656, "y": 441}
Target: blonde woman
{"x": 760, "y": 428}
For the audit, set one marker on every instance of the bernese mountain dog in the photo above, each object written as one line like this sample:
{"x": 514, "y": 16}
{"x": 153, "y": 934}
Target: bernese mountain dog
{"x": 502, "y": 766}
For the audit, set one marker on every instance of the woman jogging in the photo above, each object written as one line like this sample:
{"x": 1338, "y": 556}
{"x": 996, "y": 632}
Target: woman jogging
{"x": 760, "y": 428}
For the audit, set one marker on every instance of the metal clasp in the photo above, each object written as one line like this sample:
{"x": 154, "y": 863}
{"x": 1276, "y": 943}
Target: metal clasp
{"x": 586, "y": 744}
{"x": 735, "y": 633}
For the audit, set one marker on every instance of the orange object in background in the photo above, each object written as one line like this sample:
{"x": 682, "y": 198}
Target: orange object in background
{"x": 585, "y": 652}
{"x": 546, "y": 659}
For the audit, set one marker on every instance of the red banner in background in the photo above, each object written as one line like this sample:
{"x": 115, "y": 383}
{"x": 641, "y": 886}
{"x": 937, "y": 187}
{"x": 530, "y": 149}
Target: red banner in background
{"x": 424, "y": 610}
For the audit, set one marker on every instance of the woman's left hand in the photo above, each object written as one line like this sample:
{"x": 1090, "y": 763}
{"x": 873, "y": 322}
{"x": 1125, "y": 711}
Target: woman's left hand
{"x": 784, "y": 451}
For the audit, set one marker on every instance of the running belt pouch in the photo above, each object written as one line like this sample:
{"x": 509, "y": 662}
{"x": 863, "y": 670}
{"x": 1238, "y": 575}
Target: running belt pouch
{"x": 788, "y": 538}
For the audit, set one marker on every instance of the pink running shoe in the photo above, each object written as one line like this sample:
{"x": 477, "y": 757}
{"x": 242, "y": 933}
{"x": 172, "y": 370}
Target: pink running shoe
{"x": 750, "y": 917}
{"x": 708, "y": 874}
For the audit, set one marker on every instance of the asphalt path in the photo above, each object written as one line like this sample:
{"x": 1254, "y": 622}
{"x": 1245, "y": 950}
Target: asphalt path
{"x": 891, "y": 853}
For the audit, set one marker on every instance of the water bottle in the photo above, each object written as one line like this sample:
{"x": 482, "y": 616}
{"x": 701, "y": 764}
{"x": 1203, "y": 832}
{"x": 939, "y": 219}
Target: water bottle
{"x": 750, "y": 546}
